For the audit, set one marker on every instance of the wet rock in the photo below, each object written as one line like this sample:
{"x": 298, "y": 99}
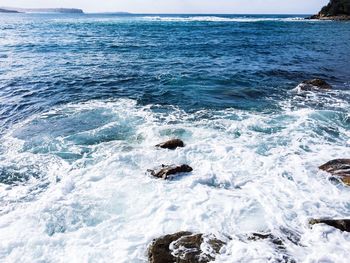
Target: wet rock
{"x": 183, "y": 247}
{"x": 169, "y": 171}
{"x": 291, "y": 235}
{"x": 341, "y": 224}
{"x": 171, "y": 144}
{"x": 339, "y": 168}
{"x": 314, "y": 84}
{"x": 267, "y": 236}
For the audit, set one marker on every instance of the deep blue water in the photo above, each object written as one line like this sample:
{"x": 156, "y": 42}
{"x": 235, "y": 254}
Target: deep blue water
{"x": 47, "y": 60}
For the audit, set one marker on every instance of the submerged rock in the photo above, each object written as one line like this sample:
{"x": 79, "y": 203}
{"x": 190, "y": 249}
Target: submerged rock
{"x": 314, "y": 84}
{"x": 341, "y": 224}
{"x": 169, "y": 171}
{"x": 267, "y": 236}
{"x": 171, "y": 144}
{"x": 183, "y": 247}
{"x": 339, "y": 168}
{"x": 283, "y": 255}
{"x": 335, "y": 10}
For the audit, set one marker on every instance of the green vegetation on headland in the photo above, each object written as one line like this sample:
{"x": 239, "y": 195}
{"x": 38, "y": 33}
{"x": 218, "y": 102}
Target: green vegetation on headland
{"x": 41, "y": 10}
{"x": 335, "y": 10}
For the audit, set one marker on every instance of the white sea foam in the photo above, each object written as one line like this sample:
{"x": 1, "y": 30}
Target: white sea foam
{"x": 252, "y": 172}
{"x": 217, "y": 19}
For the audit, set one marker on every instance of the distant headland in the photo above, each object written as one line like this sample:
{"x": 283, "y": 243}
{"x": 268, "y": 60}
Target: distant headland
{"x": 2, "y": 10}
{"x": 41, "y": 10}
{"x": 335, "y": 10}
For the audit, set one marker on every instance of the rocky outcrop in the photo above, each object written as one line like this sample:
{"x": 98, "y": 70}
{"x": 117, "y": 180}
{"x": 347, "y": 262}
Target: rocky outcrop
{"x": 335, "y": 10}
{"x": 339, "y": 168}
{"x": 169, "y": 171}
{"x": 183, "y": 247}
{"x": 341, "y": 224}
{"x": 171, "y": 144}
{"x": 314, "y": 84}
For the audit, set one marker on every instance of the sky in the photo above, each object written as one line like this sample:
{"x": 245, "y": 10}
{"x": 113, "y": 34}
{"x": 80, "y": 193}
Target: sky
{"x": 180, "y": 6}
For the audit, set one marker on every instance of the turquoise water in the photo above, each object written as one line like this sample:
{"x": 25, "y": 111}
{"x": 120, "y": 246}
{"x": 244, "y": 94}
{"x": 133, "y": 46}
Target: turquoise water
{"x": 84, "y": 98}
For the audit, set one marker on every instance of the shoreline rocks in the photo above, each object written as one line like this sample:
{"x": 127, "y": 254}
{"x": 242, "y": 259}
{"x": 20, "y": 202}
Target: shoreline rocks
{"x": 171, "y": 144}
{"x": 314, "y": 84}
{"x": 169, "y": 171}
{"x": 339, "y": 168}
{"x": 335, "y": 18}
{"x": 183, "y": 247}
{"x": 335, "y": 10}
{"x": 341, "y": 224}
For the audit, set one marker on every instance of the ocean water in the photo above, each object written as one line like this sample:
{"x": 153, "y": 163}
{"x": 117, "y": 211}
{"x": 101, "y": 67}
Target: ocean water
{"x": 84, "y": 99}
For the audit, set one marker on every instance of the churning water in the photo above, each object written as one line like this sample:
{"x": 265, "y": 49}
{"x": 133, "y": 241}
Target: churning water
{"x": 84, "y": 99}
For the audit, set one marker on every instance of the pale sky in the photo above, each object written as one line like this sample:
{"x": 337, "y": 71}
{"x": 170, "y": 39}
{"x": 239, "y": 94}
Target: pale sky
{"x": 181, "y": 6}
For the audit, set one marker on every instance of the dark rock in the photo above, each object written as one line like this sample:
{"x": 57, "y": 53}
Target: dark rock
{"x": 339, "y": 168}
{"x": 335, "y": 10}
{"x": 183, "y": 247}
{"x": 291, "y": 235}
{"x": 341, "y": 224}
{"x": 309, "y": 85}
{"x": 267, "y": 236}
{"x": 171, "y": 144}
{"x": 168, "y": 171}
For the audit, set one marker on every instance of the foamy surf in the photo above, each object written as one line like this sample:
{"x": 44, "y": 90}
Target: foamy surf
{"x": 217, "y": 19}
{"x": 93, "y": 200}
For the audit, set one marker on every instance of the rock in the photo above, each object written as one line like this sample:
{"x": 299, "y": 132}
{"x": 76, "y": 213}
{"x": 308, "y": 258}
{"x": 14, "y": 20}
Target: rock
{"x": 341, "y": 224}
{"x": 171, "y": 144}
{"x": 291, "y": 235}
{"x": 274, "y": 240}
{"x": 183, "y": 247}
{"x": 335, "y": 10}
{"x": 168, "y": 171}
{"x": 314, "y": 84}
{"x": 339, "y": 168}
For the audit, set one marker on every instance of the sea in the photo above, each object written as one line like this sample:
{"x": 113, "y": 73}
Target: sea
{"x": 84, "y": 99}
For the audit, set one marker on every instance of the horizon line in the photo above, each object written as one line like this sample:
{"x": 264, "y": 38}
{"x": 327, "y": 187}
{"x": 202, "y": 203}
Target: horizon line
{"x": 152, "y": 13}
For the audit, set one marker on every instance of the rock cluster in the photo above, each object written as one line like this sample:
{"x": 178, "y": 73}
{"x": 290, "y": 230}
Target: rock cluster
{"x": 169, "y": 171}
{"x": 186, "y": 247}
{"x": 183, "y": 247}
{"x": 339, "y": 168}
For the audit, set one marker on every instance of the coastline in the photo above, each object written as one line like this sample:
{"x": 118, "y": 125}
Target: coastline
{"x": 41, "y": 10}
{"x": 334, "y": 18}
